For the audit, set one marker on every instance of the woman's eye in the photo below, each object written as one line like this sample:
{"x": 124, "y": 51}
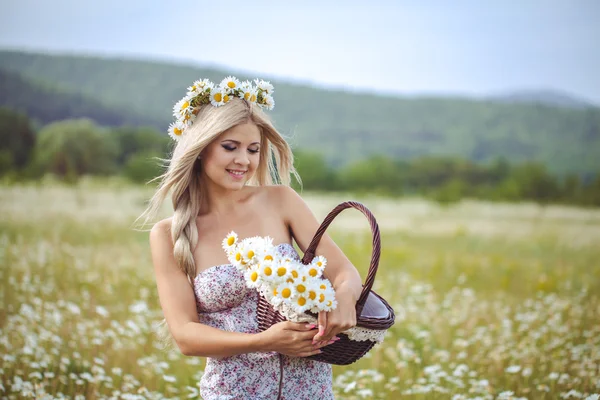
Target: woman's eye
{"x": 253, "y": 151}
{"x": 229, "y": 148}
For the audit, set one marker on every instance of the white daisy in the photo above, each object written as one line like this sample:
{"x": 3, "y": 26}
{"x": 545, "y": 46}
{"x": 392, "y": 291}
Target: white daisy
{"x": 313, "y": 271}
{"x": 282, "y": 270}
{"x": 269, "y": 103}
{"x": 265, "y": 86}
{"x": 301, "y": 303}
{"x": 312, "y": 295}
{"x": 196, "y": 88}
{"x": 236, "y": 258}
{"x": 230, "y": 241}
{"x": 230, "y": 83}
{"x": 267, "y": 273}
{"x": 320, "y": 262}
{"x": 300, "y": 285}
{"x": 248, "y": 94}
{"x": 216, "y": 96}
{"x": 183, "y": 107}
{"x": 246, "y": 85}
{"x": 285, "y": 292}
{"x": 252, "y": 277}
{"x": 176, "y": 130}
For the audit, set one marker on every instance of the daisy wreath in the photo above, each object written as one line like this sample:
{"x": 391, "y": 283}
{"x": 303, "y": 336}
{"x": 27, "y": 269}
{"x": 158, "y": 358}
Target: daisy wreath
{"x": 205, "y": 92}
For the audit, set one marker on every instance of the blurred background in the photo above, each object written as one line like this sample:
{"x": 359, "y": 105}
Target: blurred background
{"x": 471, "y": 129}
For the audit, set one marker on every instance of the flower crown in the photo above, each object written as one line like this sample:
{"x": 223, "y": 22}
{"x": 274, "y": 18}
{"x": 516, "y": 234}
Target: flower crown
{"x": 205, "y": 92}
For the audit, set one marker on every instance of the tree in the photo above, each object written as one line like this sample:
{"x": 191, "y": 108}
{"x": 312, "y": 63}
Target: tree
{"x": 17, "y": 141}
{"x": 72, "y": 148}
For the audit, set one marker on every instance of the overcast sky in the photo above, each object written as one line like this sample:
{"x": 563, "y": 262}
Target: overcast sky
{"x": 474, "y": 47}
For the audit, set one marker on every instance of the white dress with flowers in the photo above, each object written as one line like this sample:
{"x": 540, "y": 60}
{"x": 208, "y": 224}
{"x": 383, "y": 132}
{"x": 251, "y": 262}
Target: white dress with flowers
{"x": 225, "y": 302}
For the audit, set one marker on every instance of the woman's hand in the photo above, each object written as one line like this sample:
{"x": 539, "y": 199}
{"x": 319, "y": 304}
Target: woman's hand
{"x": 342, "y": 318}
{"x": 292, "y": 339}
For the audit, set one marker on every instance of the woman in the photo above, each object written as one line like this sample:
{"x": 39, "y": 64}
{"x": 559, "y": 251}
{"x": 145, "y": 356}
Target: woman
{"x": 221, "y": 175}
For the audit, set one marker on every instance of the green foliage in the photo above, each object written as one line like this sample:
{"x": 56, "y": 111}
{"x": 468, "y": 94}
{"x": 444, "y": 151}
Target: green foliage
{"x": 142, "y": 167}
{"x": 73, "y": 148}
{"x": 341, "y": 126}
{"x": 314, "y": 171}
{"x": 17, "y": 140}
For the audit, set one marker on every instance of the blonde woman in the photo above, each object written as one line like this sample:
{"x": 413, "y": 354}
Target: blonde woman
{"x": 230, "y": 171}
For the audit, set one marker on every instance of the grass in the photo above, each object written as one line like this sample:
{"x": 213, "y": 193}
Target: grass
{"x": 493, "y": 301}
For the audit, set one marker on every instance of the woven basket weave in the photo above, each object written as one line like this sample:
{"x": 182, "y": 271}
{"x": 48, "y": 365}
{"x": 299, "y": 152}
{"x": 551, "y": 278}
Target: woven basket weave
{"x": 372, "y": 311}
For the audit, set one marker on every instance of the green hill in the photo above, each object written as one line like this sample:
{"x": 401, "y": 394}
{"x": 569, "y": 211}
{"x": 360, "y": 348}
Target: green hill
{"x": 44, "y": 103}
{"x": 341, "y": 125}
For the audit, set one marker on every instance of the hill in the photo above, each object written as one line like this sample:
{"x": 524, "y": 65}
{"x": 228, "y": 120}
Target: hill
{"x": 341, "y": 125}
{"x": 45, "y": 103}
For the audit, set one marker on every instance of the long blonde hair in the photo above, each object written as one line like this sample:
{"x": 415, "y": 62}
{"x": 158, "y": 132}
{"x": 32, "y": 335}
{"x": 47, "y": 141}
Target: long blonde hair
{"x": 181, "y": 178}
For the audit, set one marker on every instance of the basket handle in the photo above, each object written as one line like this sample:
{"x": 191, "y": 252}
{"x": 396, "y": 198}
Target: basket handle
{"x": 309, "y": 254}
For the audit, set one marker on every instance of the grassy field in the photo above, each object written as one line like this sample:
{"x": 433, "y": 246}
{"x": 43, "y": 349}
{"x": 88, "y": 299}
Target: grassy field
{"x": 493, "y": 301}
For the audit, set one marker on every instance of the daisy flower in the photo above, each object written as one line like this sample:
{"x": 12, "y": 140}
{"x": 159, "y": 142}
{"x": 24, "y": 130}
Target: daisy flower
{"x": 252, "y": 277}
{"x": 284, "y": 293}
{"x": 248, "y": 94}
{"x": 268, "y": 102}
{"x": 301, "y": 303}
{"x": 196, "y": 88}
{"x": 282, "y": 271}
{"x": 230, "y": 241}
{"x": 266, "y": 272}
{"x": 176, "y": 129}
{"x": 300, "y": 285}
{"x": 236, "y": 258}
{"x": 312, "y": 295}
{"x": 216, "y": 96}
{"x": 320, "y": 262}
{"x": 265, "y": 86}
{"x": 230, "y": 83}
{"x": 182, "y": 107}
{"x": 313, "y": 271}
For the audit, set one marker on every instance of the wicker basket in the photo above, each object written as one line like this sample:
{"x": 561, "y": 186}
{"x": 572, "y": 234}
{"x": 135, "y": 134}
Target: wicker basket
{"x": 372, "y": 311}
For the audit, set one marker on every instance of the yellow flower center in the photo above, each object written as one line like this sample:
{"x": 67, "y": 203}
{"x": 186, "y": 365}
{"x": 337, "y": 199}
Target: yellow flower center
{"x": 254, "y": 276}
{"x": 275, "y": 292}
{"x": 238, "y": 256}
{"x": 301, "y": 301}
{"x": 321, "y": 298}
{"x": 281, "y": 271}
{"x": 177, "y": 131}
{"x": 290, "y": 280}
{"x": 269, "y": 257}
{"x": 226, "y": 98}
{"x": 319, "y": 264}
{"x": 329, "y": 303}
{"x": 246, "y": 95}
{"x": 253, "y": 98}
{"x": 312, "y": 295}
{"x": 312, "y": 272}
{"x": 230, "y": 241}
{"x": 323, "y": 287}
{"x": 286, "y": 293}
{"x": 231, "y": 84}
{"x": 301, "y": 288}
{"x": 250, "y": 253}
{"x": 185, "y": 105}
{"x": 217, "y": 97}
{"x": 295, "y": 273}
{"x": 268, "y": 271}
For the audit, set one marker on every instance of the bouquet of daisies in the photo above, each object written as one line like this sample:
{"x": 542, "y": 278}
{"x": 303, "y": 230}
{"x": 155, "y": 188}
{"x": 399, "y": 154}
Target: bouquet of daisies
{"x": 285, "y": 282}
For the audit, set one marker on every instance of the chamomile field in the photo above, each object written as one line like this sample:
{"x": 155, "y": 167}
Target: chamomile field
{"x": 493, "y": 301}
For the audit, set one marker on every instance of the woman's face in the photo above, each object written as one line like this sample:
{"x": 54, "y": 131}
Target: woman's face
{"x": 231, "y": 160}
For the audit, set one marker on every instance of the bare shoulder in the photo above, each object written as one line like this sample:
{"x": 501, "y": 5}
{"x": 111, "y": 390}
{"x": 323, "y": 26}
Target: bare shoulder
{"x": 160, "y": 234}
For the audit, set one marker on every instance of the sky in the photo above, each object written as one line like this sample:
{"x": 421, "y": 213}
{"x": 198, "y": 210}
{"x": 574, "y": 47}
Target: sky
{"x": 428, "y": 47}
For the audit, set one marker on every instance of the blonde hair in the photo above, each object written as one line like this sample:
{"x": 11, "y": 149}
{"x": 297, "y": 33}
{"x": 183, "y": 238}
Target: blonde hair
{"x": 181, "y": 178}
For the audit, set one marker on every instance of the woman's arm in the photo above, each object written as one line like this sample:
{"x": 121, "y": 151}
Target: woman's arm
{"x": 343, "y": 275}
{"x": 195, "y": 339}
{"x": 179, "y": 306}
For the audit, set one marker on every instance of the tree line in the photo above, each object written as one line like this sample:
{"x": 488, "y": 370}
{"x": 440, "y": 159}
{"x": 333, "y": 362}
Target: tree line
{"x": 73, "y": 148}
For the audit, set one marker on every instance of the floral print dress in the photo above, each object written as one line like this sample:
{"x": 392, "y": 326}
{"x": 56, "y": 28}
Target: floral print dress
{"x": 225, "y": 302}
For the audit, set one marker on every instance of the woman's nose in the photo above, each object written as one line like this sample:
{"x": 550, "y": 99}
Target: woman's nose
{"x": 242, "y": 159}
